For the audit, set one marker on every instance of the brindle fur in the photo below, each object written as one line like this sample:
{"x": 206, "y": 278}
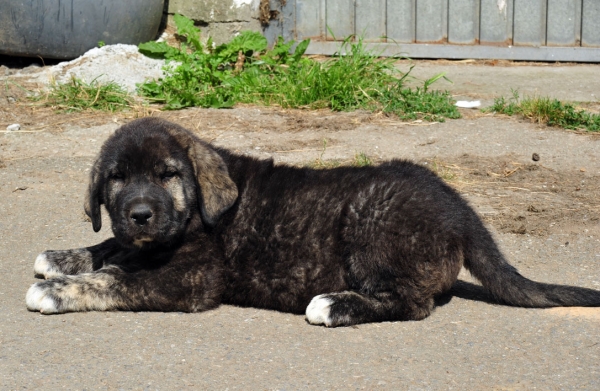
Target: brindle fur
{"x": 376, "y": 243}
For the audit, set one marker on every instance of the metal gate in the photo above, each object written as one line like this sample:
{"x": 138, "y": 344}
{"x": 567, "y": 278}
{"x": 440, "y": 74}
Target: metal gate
{"x": 536, "y": 30}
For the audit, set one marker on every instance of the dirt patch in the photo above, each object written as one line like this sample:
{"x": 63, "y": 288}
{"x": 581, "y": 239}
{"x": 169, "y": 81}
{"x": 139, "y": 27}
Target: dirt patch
{"x": 527, "y": 198}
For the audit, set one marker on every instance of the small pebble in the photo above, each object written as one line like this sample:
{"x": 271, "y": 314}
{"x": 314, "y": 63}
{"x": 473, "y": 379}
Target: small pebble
{"x": 13, "y": 127}
{"x": 535, "y": 157}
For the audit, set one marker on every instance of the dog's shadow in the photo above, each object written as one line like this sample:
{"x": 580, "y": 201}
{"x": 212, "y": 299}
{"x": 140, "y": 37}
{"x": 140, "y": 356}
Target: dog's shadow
{"x": 465, "y": 290}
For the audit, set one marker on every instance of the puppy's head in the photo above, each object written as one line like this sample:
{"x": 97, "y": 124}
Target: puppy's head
{"x": 152, "y": 176}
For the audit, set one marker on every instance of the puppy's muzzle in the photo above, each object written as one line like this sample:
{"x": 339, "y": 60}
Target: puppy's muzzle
{"x": 141, "y": 213}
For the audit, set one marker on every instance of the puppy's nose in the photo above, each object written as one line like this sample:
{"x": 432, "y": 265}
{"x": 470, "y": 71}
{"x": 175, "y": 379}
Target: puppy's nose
{"x": 140, "y": 213}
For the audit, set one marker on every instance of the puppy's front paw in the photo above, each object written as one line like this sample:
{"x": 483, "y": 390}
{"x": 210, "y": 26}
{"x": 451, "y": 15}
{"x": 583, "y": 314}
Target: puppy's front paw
{"x": 318, "y": 310}
{"x": 40, "y": 298}
{"x": 44, "y": 268}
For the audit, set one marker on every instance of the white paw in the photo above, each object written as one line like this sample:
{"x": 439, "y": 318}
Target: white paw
{"x": 318, "y": 309}
{"x": 42, "y": 267}
{"x": 37, "y": 300}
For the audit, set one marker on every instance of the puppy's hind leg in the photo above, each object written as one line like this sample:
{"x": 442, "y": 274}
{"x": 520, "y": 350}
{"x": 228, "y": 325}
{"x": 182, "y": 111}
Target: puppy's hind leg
{"x": 52, "y": 263}
{"x": 351, "y": 307}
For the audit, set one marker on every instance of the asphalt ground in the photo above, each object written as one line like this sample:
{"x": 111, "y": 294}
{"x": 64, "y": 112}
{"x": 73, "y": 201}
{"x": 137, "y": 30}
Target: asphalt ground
{"x": 466, "y": 344}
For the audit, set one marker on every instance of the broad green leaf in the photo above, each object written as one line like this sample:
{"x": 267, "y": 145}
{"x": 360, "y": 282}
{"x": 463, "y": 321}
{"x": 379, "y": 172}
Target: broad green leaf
{"x": 186, "y": 28}
{"x": 157, "y": 49}
{"x": 300, "y": 49}
{"x": 249, "y": 40}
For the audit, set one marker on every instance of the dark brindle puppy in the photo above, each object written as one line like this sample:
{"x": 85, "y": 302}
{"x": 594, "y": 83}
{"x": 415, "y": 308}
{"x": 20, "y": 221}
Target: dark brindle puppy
{"x": 196, "y": 226}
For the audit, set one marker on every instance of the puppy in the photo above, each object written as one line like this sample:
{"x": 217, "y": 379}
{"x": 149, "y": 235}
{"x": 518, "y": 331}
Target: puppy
{"x": 195, "y": 226}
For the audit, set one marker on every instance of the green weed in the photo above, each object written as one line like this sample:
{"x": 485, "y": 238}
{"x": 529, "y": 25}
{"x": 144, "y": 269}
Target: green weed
{"x": 362, "y": 160}
{"x": 245, "y": 71}
{"x": 77, "y": 95}
{"x": 324, "y": 164}
{"x": 319, "y": 163}
{"x": 551, "y": 112}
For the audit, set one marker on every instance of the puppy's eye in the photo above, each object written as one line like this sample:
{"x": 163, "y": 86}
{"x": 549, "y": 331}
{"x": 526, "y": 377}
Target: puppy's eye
{"x": 117, "y": 176}
{"x": 167, "y": 175}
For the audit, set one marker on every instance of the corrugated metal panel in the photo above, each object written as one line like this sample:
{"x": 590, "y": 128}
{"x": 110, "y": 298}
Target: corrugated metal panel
{"x": 529, "y": 23}
{"x": 340, "y": 19}
{"x": 564, "y": 23}
{"x": 590, "y": 25}
{"x": 310, "y": 19}
{"x": 463, "y": 22}
{"x": 401, "y": 20}
{"x": 276, "y": 25}
{"x": 432, "y": 21}
{"x": 287, "y": 18}
{"x": 370, "y": 19}
{"x": 547, "y": 30}
{"x": 495, "y": 25}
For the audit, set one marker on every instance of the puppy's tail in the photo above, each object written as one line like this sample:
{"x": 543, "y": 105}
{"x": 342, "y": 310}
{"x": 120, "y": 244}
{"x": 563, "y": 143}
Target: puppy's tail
{"x": 486, "y": 263}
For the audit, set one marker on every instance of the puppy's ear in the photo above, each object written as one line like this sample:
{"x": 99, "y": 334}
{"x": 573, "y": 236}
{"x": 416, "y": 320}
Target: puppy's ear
{"x": 93, "y": 198}
{"x": 217, "y": 192}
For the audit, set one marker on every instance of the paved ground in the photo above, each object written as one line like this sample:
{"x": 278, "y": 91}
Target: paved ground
{"x": 489, "y": 79}
{"x": 544, "y": 214}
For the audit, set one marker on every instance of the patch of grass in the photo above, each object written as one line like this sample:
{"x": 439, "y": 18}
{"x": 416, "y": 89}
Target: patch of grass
{"x": 319, "y": 163}
{"x": 442, "y": 170}
{"x": 420, "y": 103}
{"x": 343, "y": 83}
{"x": 360, "y": 160}
{"x": 77, "y": 95}
{"x": 245, "y": 71}
{"x": 15, "y": 91}
{"x": 547, "y": 111}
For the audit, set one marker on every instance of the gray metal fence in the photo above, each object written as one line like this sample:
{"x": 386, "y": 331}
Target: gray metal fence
{"x": 537, "y": 30}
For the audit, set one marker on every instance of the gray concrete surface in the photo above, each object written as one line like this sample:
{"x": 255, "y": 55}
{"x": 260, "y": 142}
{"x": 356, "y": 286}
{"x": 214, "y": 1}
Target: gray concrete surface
{"x": 477, "y": 80}
{"x": 467, "y": 344}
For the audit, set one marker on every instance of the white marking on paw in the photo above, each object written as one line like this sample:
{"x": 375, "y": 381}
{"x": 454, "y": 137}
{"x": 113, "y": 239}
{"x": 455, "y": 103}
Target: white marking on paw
{"x": 318, "y": 309}
{"x": 37, "y": 300}
{"x": 44, "y": 268}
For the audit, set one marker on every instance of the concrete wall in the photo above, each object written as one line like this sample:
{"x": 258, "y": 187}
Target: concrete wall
{"x": 221, "y": 19}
